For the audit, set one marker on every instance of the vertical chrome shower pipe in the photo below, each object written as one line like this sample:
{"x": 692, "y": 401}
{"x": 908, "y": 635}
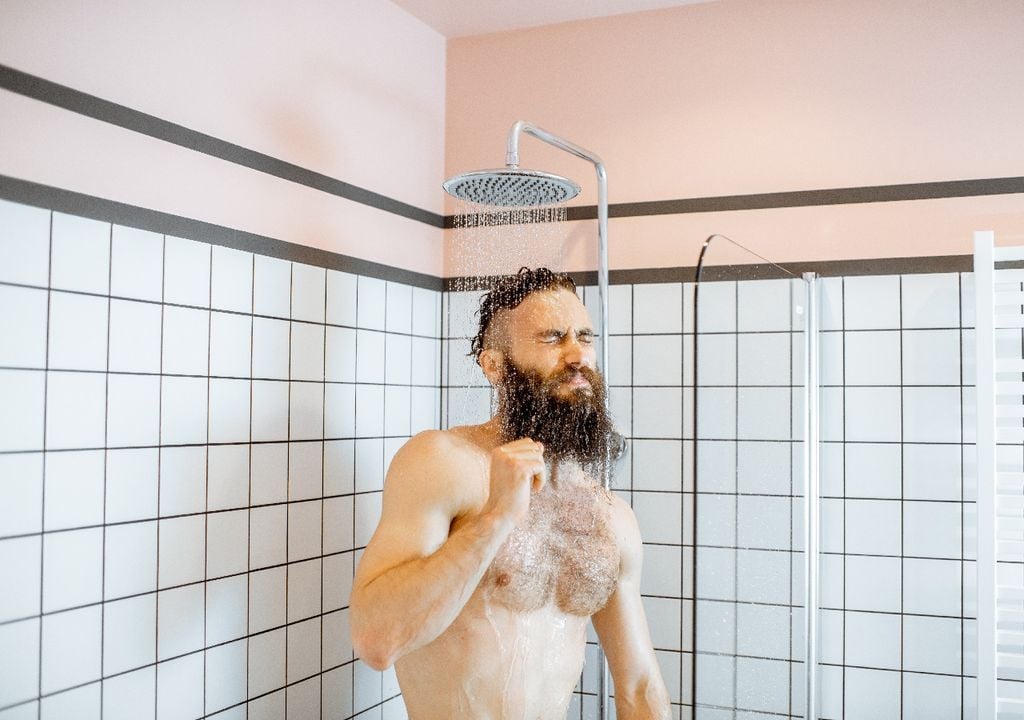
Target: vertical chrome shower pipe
{"x": 512, "y": 160}
{"x": 812, "y": 492}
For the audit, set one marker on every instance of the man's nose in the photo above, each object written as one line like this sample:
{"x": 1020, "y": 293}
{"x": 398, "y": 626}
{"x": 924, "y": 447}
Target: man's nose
{"x": 576, "y": 354}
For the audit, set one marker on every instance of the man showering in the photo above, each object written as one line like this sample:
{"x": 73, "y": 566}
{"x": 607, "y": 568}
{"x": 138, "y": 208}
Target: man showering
{"x": 497, "y": 543}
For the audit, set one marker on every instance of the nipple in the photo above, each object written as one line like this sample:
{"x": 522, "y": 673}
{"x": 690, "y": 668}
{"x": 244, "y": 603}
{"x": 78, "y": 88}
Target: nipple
{"x": 503, "y": 579}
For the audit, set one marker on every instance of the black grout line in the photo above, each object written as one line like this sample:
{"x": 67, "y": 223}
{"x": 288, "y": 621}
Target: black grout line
{"x": 223, "y": 311}
{"x": 960, "y": 337}
{"x": 106, "y": 431}
{"x": 323, "y": 504}
{"x": 288, "y": 486}
{"x": 355, "y": 413}
{"x": 842, "y": 322}
{"x": 300, "y": 381}
{"x": 736, "y": 513}
{"x": 903, "y": 525}
{"x": 248, "y": 543}
{"x": 792, "y": 414}
{"x": 695, "y": 420}
{"x": 199, "y": 513}
{"x": 42, "y": 503}
{"x": 159, "y": 474}
{"x": 206, "y": 479}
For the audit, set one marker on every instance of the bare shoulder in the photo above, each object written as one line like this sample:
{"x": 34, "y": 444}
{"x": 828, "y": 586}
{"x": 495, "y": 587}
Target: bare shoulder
{"x": 440, "y": 448}
{"x": 430, "y": 444}
{"x": 624, "y": 525}
{"x": 435, "y": 462}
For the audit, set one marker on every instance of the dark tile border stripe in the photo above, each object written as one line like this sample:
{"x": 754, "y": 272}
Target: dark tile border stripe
{"x": 66, "y": 201}
{"x": 764, "y": 271}
{"x": 800, "y": 198}
{"x": 808, "y": 198}
{"x": 97, "y": 108}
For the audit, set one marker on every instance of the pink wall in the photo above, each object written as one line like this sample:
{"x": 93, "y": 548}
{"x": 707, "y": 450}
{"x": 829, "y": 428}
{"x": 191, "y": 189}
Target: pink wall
{"x": 354, "y": 90}
{"x": 726, "y": 97}
{"x": 746, "y": 96}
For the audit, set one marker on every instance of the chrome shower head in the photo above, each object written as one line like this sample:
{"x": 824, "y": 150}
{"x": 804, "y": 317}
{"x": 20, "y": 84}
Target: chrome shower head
{"x": 511, "y": 187}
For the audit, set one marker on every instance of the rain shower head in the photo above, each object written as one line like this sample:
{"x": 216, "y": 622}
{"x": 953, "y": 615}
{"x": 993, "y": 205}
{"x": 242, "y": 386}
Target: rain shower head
{"x": 511, "y": 187}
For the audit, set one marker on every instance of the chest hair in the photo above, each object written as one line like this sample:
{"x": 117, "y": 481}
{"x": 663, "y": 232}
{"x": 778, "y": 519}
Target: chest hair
{"x": 564, "y": 553}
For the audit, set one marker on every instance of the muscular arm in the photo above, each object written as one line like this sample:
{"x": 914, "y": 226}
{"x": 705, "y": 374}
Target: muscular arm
{"x": 414, "y": 577}
{"x": 621, "y": 625}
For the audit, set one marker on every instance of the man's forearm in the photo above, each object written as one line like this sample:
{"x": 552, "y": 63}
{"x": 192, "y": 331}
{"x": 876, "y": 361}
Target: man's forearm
{"x": 413, "y": 603}
{"x": 647, "y": 701}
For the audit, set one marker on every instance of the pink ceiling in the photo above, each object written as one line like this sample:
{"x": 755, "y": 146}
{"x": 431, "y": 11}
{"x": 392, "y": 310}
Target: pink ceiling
{"x": 458, "y": 18}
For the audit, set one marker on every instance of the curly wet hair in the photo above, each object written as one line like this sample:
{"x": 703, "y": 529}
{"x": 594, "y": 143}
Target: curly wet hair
{"x": 509, "y": 291}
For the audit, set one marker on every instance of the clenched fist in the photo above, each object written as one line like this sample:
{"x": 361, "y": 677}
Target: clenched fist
{"x": 516, "y": 469}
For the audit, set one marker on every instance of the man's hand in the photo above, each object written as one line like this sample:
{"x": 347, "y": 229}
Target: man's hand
{"x": 516, "y": 469}
{"x": 416, "y": 573}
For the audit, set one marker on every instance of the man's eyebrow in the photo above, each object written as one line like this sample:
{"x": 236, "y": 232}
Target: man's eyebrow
{"x": 585, "y": 330}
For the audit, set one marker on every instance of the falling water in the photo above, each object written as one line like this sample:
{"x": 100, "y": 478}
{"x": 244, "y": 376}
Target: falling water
{"x": 488, "y": 242}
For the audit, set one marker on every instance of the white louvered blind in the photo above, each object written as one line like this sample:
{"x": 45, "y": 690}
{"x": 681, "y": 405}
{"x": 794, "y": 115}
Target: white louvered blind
{"x": 999, "y": 295}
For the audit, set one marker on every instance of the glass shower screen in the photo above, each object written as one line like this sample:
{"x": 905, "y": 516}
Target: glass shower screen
{"x": 748, "y": 620}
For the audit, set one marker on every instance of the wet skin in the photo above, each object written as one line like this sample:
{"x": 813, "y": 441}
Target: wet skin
{"x": 516, "y": 649}
{"x": 487, "y": 564}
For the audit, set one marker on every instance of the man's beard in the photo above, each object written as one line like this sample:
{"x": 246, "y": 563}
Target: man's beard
{"x": 574, "y": 427}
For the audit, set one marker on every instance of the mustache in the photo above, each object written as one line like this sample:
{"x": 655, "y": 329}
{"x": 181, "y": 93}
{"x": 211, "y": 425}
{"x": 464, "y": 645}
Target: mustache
{"x": 568, "y": 373}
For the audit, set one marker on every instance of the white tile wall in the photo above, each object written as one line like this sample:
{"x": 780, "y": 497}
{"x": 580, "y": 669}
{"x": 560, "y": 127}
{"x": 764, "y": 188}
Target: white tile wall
{"x": 186, "y": 272}
{"x": 873, "y": 470}
{"x": 25, "y": 244}
{"x": 873, "y": 583}
{"x": 893, "y": 464}
{"x": 763, "y": 305}
{"x": 872, "y": 357}
{"x": 930, "y": 301}
{"x": 22, "y": 491}
{"x": 716, "y": 360}
{"x": 763, "y": 358}
{"x": 271, "y": 291}
{"x": 716, "y": 303}
{"x": 75, "y": 482}
{"x": 79, "y": 254}
{"x": 342, "y": 294}
{"x": 657, "y": 360}
{"x": 871, "y": 302}
{"x": 931, "y": 696}
{"x": 142, "y": 349}
{"x": 657, "y": 308}
{"x": 108, "y": 410}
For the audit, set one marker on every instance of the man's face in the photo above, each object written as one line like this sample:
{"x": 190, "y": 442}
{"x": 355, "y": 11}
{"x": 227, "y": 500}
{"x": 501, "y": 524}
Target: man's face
{"x": 549, "y": 335}
{"x": 548, "y": 389}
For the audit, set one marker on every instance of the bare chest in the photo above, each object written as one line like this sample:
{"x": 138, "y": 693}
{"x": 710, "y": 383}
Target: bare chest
{"x": 565, "y": 554}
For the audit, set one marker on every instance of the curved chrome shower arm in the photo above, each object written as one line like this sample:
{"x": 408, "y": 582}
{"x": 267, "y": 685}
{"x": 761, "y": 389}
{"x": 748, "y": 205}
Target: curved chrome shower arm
{"x": 522, "y": 126}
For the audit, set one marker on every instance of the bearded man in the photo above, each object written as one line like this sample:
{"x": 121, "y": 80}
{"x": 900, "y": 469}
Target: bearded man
{"x": 497, "y": 542}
